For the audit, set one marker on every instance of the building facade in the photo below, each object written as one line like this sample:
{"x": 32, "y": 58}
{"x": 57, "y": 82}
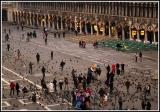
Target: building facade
{"x": 125, "y": 20}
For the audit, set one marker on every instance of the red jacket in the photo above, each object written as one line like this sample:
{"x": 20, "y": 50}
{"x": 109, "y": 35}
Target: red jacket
{"x": 12, "y": 85}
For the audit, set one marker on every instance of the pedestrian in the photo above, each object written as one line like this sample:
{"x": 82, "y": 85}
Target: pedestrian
{"x": 80, "y": 78}
{"x": 45, "y": 41}
{"x": 118, "y": 71}
{"x": 17, "y": 88}
{"x": 18, "y": 27}
{"x": 8, "y": 46}
{"x": 148, "y": 106}
{"x": 140, "y": 56}
{"x": 30, "y": 67}
{"x": 18, "y": 53}
{"x": 25, "y": 90}
{"x": 84, "y": 83}
{"x": 127, "y": 84}
{"x": 38, "y": 58}
{"x": 111, "y": 87}
{"x": 59, "y": 35}
{"x": 108, "y": 68}
{"x": 113, "y": 68}
{"x": 143, "y": 104}
{"x": 61, "y": 84}
{"x": 62, "y": 65}
{"x": 139, "y": 87}
{"x": 54, "y": 35}
{"x": 9, "y": 31}
{"x": 51, "y": 55}
{"x": 101, "y": 93}
{"x": 55, "y": 84}
{"x": 4, "y": 30}
{"x": 120, "y": 103}
{"x": 148, "y": 89}
{"x": 43, "y": 72}
{"x": 63, "y": 34}
{"x": 34, "y": 97}
{"x": 108, "y": 79}
{"x": 122, "y": 68}
{"x": 12, "y": 88}
{"x": 66, "y": 87}
{"x": 136, "y": 57}
{"x": 22, "y": 27}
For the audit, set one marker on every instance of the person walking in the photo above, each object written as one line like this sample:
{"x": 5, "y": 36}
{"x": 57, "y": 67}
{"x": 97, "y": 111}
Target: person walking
{"x": 140, "y": 56}
{"x": 101, "y": 93}
{"x": 148, "y": 106}
{"x": 8, "y": 46}
{"x": 120, "y": 103}
{"x": 18, "y": 54}
{"x": 62, "y": 65}
{"x": 136, "y": 57}
{"x": 55, "y": 84}
{"x": 143, "y": 104}
{"x": 12, "y": 88}
{"x": 122, "y": 68}
{"x": 63, "y": 34}
{"x": 51, "y": 55}
{"x": 45, "y": 41}
{"x": 43, "y": 72}
{"x": 17, "y": 88}
{"x": 108, "y": 68}
{"x": 60, "y": 85}
{"x": 30, "y": 67}
{"x": 66, "y": 87}
{"x": 127, "y": 84}
{"x": 38, "y": 58}
{"x": 59, "y": 35}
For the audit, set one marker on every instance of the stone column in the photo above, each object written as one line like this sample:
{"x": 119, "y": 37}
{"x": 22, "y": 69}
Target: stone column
{"x": 138, "y": 39}
{"x": 86, "y": 27}
{"x": 75, "y": 21}
{"x": 80, "y": 25}
{"x": 130, "y": 33}
{"x": 123, "y": 36}
{"x": 30, "y": 20}
{"x": 109, "y": 29}
{"x": 49, "y": 23}
{"x": 61, "y": 23}
{"x": 97, "y": 28}
{"x": 57, "y": 24}
{"x": 104, "y": 29}
{"x": 154, "y": 37}
{"x": 91, "y": 29}
{"x": 145, "y": 37}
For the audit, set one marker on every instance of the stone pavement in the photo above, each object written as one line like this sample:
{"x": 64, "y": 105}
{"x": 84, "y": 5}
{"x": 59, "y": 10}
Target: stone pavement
{"x": 79, "y": 59}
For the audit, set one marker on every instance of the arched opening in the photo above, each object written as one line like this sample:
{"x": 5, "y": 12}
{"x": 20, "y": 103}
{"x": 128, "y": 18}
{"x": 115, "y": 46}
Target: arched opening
{"x": 107, "y": 28}
{"x": 134, "y": 33}
{"x": 126, "y": 32}
{"x": 113, "y": 28}
{"x": 119, "y": 31}
{"x": 142, "y": 34}
{"x": 150, "y": 36}
{"x": 89, "y": 27}
{"x": 4, "y": 15}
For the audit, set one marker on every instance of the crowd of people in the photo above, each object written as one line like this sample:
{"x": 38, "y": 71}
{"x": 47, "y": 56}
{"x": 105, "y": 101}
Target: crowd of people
{"x": 82, "y": 93}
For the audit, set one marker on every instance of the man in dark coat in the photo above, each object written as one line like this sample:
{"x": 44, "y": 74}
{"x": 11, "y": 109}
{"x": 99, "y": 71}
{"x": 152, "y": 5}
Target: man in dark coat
{"x": 43, "y": 71}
